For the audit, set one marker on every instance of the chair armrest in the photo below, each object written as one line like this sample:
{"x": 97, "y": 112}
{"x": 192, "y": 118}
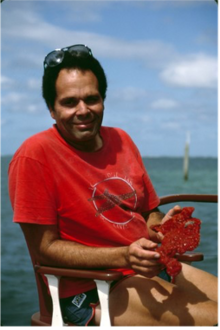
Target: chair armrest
{"x": 103, "y": 278}
{"x": 188, "y": 198}
{"x": 104, "y": 275}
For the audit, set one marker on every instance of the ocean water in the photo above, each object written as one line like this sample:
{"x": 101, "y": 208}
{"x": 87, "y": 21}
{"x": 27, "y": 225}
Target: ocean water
{"x": 19, "y": 298}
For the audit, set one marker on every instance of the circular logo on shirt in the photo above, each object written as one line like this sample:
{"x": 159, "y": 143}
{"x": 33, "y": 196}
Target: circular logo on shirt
{"x": 114, "y": 199}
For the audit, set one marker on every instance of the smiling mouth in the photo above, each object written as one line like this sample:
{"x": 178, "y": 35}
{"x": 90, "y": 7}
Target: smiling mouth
{"x": 84, "y": 123}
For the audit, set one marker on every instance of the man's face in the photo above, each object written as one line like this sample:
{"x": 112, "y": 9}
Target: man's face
{"x": 78, "y": 109}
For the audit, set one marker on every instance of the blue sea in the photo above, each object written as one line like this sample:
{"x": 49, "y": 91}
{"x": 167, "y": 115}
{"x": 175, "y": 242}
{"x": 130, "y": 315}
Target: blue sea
{"x": 18, "y": 289}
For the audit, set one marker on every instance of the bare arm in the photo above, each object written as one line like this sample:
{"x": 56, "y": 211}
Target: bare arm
{"x": 49, "y": 249}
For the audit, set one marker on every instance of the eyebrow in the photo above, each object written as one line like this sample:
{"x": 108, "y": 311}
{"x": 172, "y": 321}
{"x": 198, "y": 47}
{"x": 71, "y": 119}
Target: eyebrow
{"x": 95, "y": 94}
{"x": 74, "y": 98}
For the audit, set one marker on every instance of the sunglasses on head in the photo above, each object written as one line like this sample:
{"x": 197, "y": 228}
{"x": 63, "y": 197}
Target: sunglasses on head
{"x": 56, "y": 57}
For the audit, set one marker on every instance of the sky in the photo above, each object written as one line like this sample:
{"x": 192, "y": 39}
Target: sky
{"x": 160, "y": 58}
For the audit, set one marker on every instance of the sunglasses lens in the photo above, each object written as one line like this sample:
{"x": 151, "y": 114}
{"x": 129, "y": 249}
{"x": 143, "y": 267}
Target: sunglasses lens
{"x": 79, "y": 50}
{"x": 54, "y": 58}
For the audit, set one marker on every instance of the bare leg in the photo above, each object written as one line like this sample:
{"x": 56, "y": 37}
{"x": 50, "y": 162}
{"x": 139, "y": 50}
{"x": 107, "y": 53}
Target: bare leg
{"x": 205, "y": 282}
{"x": 139, "y": 301}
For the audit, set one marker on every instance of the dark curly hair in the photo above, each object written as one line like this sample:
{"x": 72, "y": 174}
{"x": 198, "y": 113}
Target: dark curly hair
{"x": 72, "y": 62}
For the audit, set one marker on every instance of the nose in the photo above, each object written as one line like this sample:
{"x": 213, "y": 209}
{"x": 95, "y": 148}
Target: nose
{"x": 82, "y": 108}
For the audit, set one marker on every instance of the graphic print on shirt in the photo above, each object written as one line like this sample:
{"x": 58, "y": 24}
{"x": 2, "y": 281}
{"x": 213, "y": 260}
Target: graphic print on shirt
{"x": 114, "y": 199}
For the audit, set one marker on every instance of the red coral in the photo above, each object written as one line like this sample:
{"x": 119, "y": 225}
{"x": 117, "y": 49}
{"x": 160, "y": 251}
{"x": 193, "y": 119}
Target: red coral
{"x": 181, "y": 234}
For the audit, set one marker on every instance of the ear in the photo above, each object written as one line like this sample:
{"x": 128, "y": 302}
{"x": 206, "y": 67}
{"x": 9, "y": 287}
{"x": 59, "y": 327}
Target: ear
{"x": 103, "y": 106}
{"x": 52, "y": 113}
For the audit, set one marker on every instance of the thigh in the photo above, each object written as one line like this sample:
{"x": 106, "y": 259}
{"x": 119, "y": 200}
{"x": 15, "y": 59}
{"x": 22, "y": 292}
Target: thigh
{"x": 139, "y": 301}
{"x": 125, "y": 302}
{"x": 199, "y": 281}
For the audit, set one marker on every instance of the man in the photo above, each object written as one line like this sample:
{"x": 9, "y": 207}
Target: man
{"x": 84, "y": 200}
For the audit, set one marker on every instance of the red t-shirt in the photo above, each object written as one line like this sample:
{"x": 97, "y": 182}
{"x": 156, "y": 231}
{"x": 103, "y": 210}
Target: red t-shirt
{"x": 95, "y": 198}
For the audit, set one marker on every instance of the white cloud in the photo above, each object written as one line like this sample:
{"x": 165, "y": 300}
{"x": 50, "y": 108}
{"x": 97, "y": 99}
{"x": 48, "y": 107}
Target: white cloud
{"x": 195, "y": 71}
{"x": 26, "y": 25}
{"x": 21, "y": 103}
{"x": 32, "y": 108}
{"x": 13, "y": 98}
{"x": 171, "y": 125}
{"x": 127, "y": 94}
{"x": 34, "y": 83}
{"x": 6, "y": 82}
{"x": 164, "y": 104}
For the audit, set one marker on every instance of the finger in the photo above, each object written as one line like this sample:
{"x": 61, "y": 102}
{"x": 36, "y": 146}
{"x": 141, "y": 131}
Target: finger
{"x": 160, "y": 236}
{"x": 150, "y": 263}
{"x": 147, "y": 271}
{"x": 147, "y": 261}
{"x": 142, "y": 254}
{"x": 140, "y": 251}
{"x": 147, "y": 244}
{"x": 176, "y": 209}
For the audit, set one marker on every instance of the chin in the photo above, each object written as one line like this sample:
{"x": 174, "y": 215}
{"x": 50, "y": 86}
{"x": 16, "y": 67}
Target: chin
{"x": 82, "y": 137}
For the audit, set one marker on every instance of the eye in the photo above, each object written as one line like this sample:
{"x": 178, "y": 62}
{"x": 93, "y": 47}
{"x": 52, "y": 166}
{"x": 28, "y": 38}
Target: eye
{"x": 69, "y": 102}
{"x": 92, "y": 99}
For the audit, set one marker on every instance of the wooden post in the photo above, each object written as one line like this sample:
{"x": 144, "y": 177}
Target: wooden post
{"x": 186, "y": 158}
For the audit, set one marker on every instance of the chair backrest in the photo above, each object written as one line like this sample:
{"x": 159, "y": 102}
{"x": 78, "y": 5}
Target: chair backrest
{"x": 45, "y": 301}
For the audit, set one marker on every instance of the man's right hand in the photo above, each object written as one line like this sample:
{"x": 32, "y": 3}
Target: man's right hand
{"x": 142, "y": 258}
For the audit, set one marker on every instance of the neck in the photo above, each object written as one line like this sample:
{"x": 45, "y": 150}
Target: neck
{"x": 88, "y": 146}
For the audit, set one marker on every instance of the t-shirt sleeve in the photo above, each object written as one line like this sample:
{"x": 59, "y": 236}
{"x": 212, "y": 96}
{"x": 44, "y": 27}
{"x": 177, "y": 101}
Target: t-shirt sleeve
{"x": 31, "y": 191}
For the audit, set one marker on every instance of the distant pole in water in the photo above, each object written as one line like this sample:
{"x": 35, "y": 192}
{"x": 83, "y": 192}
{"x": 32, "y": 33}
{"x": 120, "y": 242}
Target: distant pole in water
{"x": 186, "y": 158}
